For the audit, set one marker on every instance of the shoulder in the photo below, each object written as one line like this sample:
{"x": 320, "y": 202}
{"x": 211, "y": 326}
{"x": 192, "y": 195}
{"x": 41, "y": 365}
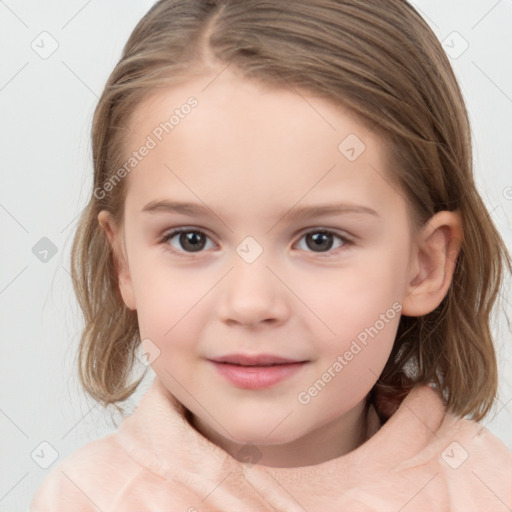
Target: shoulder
{"x": 473, "y": 467}
{"x": 445, "y": 460}
{"x": 470, "y": 439}
{"x": 87, "y": 480}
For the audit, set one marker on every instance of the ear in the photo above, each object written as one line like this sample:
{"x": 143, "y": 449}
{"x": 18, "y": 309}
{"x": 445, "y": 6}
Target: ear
{"x": 433, "y": 263}
{"x": 115, "y": 237}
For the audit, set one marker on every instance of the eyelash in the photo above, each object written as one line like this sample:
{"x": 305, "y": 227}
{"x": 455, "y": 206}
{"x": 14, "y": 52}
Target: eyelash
{"x": 346, "y": 242}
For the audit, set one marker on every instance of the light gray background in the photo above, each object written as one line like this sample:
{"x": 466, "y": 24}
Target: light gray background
{"x": 47, "y": 105}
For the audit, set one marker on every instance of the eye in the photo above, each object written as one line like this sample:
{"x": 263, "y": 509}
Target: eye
{"x": 186, "y": 240}
{"x": 323, "y": 241}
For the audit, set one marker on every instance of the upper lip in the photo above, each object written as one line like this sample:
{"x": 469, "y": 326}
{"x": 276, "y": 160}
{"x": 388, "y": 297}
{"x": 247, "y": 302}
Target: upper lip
{"x": 254, "y": 360}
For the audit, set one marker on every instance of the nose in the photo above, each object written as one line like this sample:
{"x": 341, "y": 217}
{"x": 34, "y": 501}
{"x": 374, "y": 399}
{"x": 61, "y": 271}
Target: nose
{"x": 252, "y": 296}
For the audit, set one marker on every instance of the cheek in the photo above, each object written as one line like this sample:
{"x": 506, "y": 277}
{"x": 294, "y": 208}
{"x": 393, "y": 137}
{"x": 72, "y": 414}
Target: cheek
{"x": 363, "y": 341}
{"x": 360, "y": 308}
{"x": 344, "y": 302}
{"x": 167, "y": 299}
{"x": 349, "y": 364}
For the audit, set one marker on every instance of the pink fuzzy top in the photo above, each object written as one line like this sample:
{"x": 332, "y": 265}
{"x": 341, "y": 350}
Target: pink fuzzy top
{"x": 421, "y": 459}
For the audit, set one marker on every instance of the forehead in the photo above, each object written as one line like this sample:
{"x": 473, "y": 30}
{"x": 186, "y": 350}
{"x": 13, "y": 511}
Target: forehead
{"x": 228, "y": 140}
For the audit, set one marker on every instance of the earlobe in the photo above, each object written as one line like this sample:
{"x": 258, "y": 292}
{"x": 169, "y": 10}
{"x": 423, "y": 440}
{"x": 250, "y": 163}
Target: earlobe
{"x": 115, "y": 238}
{"x": 435, "y": 257}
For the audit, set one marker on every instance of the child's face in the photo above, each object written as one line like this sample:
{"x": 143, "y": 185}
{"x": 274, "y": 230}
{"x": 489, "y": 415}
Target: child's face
{"x": 249, "y": 159}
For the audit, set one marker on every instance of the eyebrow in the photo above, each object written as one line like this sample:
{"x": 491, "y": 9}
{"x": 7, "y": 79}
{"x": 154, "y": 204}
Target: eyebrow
{"x": 195, "y": 209}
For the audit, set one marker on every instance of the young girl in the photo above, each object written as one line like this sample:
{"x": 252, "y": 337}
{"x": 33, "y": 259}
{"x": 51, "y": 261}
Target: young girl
{"x": 284, "y": 222}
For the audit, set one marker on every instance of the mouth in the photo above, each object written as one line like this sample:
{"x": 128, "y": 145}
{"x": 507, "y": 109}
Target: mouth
{"x": 256, "y": 371}
{"x": 254, "y": 360}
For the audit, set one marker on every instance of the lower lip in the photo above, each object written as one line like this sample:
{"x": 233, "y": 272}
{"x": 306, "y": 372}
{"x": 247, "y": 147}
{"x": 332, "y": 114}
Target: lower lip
{"x": 257, "y": 377}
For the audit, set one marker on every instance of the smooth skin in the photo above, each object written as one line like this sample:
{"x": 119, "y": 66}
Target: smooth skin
{"x": 252, "y": 156}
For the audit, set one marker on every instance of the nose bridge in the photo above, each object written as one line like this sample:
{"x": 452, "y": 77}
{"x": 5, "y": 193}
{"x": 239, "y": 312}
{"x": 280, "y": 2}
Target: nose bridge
{"x": 251, "y": 292}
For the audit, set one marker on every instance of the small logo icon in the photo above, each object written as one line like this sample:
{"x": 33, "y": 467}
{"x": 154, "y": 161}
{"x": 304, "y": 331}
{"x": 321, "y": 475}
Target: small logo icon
{"x": 44, "y": 250}
{"x": 351, "y": 147}
{"x": 454, "y": 455}
{"x": 249, "y": 249}
{"x": 248, "y": 454}
{"x": 44, "y": 455}
{"x": 150, "y": 352}
{"x": 45, "y": 45}
{"x": 454, "y": 45}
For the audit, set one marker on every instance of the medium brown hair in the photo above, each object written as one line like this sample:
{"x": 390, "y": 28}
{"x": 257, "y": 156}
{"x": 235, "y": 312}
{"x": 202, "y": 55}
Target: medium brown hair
{"x": 380, "y": 59}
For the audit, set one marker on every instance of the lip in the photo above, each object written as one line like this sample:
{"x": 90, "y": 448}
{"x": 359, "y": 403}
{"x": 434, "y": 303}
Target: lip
{"x": 254, "y": 360}
{"x": 256, "y": 371}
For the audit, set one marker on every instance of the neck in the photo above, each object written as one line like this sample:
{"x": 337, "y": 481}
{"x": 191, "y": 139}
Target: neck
{"x": 330, "y": 441}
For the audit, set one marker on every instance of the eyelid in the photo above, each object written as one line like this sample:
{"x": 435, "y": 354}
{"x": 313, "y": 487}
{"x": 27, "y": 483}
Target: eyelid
{"x": 345, "y": 235}
{"x": 184, "y": 229}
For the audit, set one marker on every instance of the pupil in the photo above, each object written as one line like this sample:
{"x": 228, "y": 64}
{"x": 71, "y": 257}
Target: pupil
{"x": 320, "y": 241}
{"x": 192, "y": 240}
